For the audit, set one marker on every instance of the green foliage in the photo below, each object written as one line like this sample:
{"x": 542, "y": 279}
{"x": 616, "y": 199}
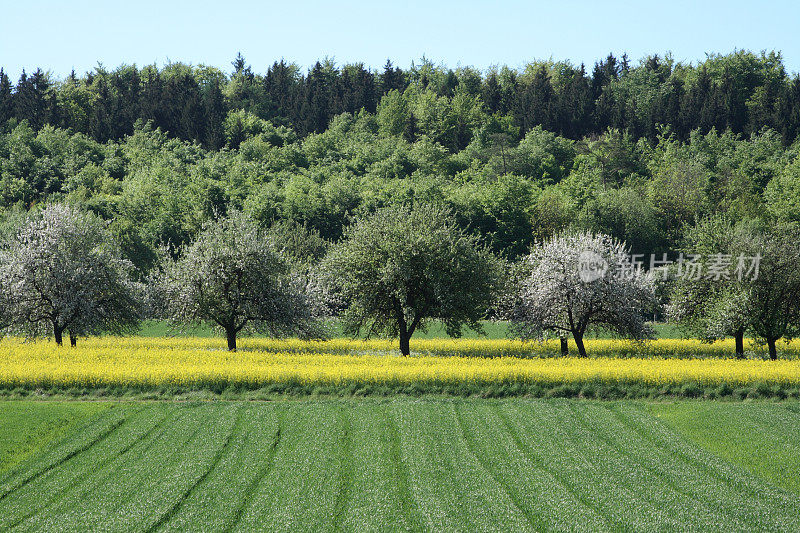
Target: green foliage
{"x": 400, "y": 268}
{"x": 640, "y": 152}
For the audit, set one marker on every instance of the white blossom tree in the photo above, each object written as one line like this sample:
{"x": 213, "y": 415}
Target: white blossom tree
{"x": 234, "y": 277}
{"x": 575, "y": 282}
{"x": 62, "y": 272}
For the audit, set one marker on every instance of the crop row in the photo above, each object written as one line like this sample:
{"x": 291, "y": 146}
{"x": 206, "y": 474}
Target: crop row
{"x": 203, "y": 364}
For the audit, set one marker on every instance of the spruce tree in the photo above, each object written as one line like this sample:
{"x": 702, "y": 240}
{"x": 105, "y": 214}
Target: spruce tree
{"x": 6, "y": 98}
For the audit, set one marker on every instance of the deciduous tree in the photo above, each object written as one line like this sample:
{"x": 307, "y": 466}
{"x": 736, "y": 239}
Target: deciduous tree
{"x": 401, "y": 267}
{"x": 578, "y": 281}
{"x": 234, "y": 277}
{"x": 62, "y": 271}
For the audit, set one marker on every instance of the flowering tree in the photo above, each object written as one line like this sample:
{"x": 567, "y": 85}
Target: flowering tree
{"x": 401, "y": 267}
{"x": 233, "y": 276}
{"x": 578, "y": 281}
{"x": 61, "y": 271}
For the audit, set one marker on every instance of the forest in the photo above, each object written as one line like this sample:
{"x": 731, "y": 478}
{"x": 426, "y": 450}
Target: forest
{"x": 638, "y": 150}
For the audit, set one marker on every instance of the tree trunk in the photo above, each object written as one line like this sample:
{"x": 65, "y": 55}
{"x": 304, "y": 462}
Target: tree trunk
{"x": 564, "y": 347}
{"x": 230, "y": 333}
{"x": 73, "y": 340}
{"x": 740, "y": 343}
{"x": 579, "y": 342}
{"x": 405, "y": 343}
{"x": 57, "y": 333}
{"x": 773, "y": 351}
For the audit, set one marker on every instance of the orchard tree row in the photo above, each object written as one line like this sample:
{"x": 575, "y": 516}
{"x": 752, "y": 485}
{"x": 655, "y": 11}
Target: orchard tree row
{"x": 391, "y": 274}
{"x": 742, "y": 92}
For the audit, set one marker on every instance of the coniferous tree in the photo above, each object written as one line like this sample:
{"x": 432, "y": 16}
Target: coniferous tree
{"x": 316, "y": 107}
{"x": 100, "y": 121}
{"x": 214, "y": 110}
{"x": 491, "y": 93}
{"x": 281, "y": 85}
{"x": 30, "y": 99}
{"x": 151, "y": 106}
{"x": 575, "y": 106}
{"x": 391, "y": 79}
{"x": 6, "y": 98}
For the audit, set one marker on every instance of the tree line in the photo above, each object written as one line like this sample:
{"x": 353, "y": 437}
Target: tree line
{"x": 392, "y": 273}
{"x": 741, "y": 91}
{"x": 158, "y": 191}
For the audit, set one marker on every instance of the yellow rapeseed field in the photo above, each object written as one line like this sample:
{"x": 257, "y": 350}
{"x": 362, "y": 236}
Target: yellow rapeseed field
{"x": 201, "y": 363}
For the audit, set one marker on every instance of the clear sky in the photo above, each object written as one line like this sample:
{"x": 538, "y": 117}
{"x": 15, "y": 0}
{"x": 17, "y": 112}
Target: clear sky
{"x": 60, "y": 36}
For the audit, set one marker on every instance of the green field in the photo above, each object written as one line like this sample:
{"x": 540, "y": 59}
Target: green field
{"x": 405, "y": 464}
{"x": 492, "y": 330}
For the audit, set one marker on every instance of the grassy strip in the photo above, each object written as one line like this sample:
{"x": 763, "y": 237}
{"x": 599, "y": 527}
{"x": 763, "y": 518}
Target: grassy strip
{"x": 28, "y": 427}
{"x": 582, "y": 390}
{"x": 492, "y": 329}
{"x": 762, "y": 439}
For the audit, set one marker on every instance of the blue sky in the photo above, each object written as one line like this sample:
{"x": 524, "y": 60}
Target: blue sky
{"x": 60, "y": 36}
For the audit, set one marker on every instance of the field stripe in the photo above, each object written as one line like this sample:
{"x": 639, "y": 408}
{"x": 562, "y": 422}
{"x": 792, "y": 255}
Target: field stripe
{"x": 794, "y": 408}
{"x": 304, "y": 478}
{"x": 539, "y": 491}
{"x": 172, "y": 511}
{"x": 36, "y": 474}
{"x": 345, "y": 452}
{"x": 408, "y": 503}
{"x": 764, "y": 505}
{"x": 56, "y": 495}
{"x": 534, "y": 520}
{"x": 681, "y": 500}
{"x": 448, "y": 480}
{"x": 541, "y": 463}
{"x": 151, "y": 477}
{"x": 250, "y": 491}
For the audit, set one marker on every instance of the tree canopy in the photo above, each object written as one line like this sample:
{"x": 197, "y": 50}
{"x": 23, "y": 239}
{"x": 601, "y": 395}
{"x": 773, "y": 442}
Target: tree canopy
{"x": 233, "y": 277}
{"x": 579, "y": 281}
{"x": 400, "y": 268}
{"x": 61, "y": 271}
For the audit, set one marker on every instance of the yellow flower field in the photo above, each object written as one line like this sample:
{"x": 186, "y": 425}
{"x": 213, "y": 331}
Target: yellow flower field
{"x": 202, "y": 363}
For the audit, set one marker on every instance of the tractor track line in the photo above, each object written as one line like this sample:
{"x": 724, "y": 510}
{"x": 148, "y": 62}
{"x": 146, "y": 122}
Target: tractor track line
{"x": 682, "y": 456}
{"x": 540, "y": 463}
{"x": 96, "y": 440}
{"x": 54, "y": 445}
{"x": 794, "y": 408}
{"x": 533, "y": 519}
{"x": 408, "y": 503}
{"x": 345, "y": 470}
{"x": 172, "y": 511}
{"x": 735, "y": 486}
{"x": 252, "y": 487}
{"x": 59, "y": 495}
{"x": 614, "y": 444}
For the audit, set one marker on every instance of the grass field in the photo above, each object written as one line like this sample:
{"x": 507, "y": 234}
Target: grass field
{"x": 492, "y": 330}
{"x": 403, "y": 464}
